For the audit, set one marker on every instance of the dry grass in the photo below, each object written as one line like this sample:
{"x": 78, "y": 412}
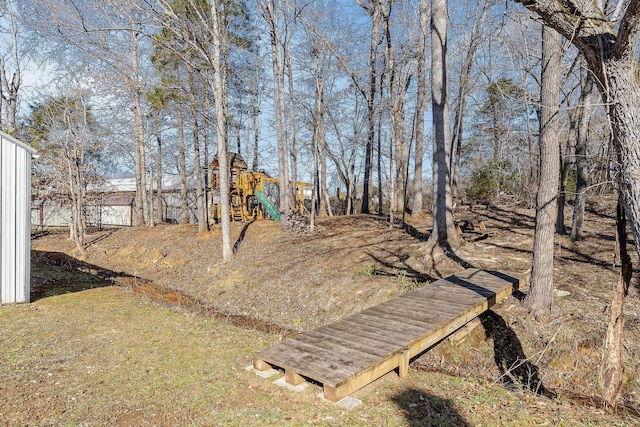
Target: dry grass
{"x": 107, "y": 357}
{"x": 298, "y": 282}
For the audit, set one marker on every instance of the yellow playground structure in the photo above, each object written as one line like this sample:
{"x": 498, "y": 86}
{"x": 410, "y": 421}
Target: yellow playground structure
{"x": 253, "y": 195}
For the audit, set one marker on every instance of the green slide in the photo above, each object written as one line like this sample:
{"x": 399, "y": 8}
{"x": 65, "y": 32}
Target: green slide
{"x": 268, "y": 205}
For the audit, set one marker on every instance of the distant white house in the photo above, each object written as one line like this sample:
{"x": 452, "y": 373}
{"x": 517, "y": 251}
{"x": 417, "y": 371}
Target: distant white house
{"x": 15, "y": 207}
{"x": 111, "y": 204}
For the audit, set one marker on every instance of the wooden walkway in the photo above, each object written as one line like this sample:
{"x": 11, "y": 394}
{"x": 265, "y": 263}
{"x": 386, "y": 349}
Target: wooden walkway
{"x": 351, "y": 353}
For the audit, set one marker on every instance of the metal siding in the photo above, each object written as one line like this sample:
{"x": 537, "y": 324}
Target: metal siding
{"x": 8, "y": 221}
{"x": 23, "y": 207}
{"x": 15, "y": 201}
{"x": 3, "y": 230}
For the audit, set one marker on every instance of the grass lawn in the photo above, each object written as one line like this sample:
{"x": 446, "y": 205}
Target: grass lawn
{"x": 105, "y": 356}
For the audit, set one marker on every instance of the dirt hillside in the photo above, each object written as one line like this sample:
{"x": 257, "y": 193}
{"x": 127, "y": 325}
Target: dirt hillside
{"x": 299, "y": 281}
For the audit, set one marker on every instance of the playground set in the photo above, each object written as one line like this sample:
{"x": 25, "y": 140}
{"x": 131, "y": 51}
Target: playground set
{"x": 252, "y": 194}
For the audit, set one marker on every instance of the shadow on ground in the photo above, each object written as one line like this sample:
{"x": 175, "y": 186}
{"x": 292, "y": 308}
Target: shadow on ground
{"x": 56, "y": 273}
{"x": 420, "y": 408}
{"x": 515, "y": 368}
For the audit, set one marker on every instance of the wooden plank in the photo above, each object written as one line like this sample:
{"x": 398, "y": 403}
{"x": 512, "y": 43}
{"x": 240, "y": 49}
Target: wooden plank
{"x": 389, "y": 330}
{"x": 427, "y": 300}
{"x": 463, "y": 287}
{"x": 424, "y": 343}
{"x": 370, "y": 347}
{"x": 346, "y": 387}
{"x": 434, "y": 311}
{"x": 451, "y": 289}
{"x": 337, "y": 350}
{"x": 346, "y": 361}
{"x": 403, "y": 316}
{"x": 461, "y": 297}
{"x": 346, "y": 334}
{"x": 448, "y": 289}
{"x": 437, "y": 318}
{"x": 474, "y": 278}
{"x": 355, "y": 351}
{"x": 363, "y": 331}
{"x": 389, "y": 326}
{"x": 316, "y": 366}
{"x": 441, "y": 299}
{"x": 492, "y": 279}
{"x": 337, "y": 392}
{"x": 417, "y": 313}
{"x": 441, "y": 309}
{"x": 368, "y": 331}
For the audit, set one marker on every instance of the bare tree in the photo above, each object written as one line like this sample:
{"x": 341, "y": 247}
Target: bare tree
{"x": 607, "y": 39}
{"x": 109, "y": 35}
{"x": 443, "y": 234}
{"x": 10, "y": 82}
{"x": 398, "y": 74}
{"x": 421, "y": 107}
{"x": 270, "y": 14}
{"x": 464, "y": 87}
{"x": 582, "y": 137}
{"x": 159, "y": 99}
{"x": 194, "y": 89}
{"x": 345, "y": 158}
{"x": 374, "y": 9}
{"x": 219, "y": 87}
{"x": 540, "y": 297}
{"x": 182, "y": 157}
{"x": 62, "y": 128}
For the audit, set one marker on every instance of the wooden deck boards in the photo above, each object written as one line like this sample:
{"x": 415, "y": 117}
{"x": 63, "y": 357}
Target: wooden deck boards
{"x": 349, "y": 354}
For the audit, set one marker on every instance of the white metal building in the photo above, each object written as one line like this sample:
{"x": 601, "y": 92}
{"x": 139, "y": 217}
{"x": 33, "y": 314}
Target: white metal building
{"x": 15, "y": 215}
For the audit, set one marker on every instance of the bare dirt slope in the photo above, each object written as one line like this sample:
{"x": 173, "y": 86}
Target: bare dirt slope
{"x": 301, "y": 281}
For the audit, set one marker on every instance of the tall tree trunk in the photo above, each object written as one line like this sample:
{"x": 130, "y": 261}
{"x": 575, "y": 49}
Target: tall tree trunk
{"x": 159, "y": 172}
{"x": 317, "y": 205}
{"x": 582, "y": 171}
{"x": 270, "y": 15}
{"x": 374, "y": 11}
{"x": 219, "y": 45}
{"x": 182, "y": 166}
{"x": 443, "y": 234}
{"x": 322, "y": 199}
{"x": 314, "y": 150}
{"x": 77, "y": 229}
{"x": 293, "y": 143}
{"x": 141, "y": 209}
{"x": 624, "y": 88}
{"x": 540, "y": 297}
{"x": 207, "y": 156}
{"x": 421, "y": 108}
{"x": 610, "y": 51}
{"x": 256, "y": 114}
{"x": 200, "y": 198}
{"x": 378, "y": 135}
{"x": 397, "y": 91}
{"x": 150, "y": 216}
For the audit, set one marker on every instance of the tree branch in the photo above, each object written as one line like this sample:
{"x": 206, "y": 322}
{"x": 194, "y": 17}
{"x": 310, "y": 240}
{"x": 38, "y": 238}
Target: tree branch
{"x": 629, "y": 28}
{"x": 581, "y": 22}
